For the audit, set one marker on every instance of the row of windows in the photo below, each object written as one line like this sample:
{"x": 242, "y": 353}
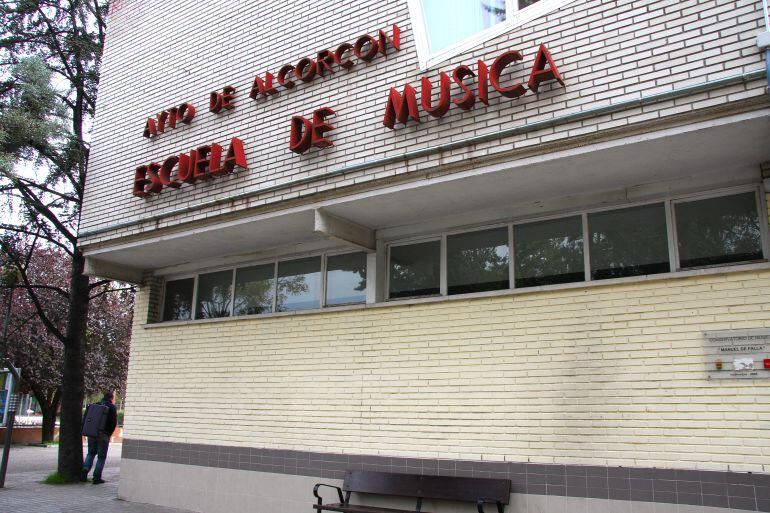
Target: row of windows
{"x": 252, "y": 290}
{"x": 622, "y": 242}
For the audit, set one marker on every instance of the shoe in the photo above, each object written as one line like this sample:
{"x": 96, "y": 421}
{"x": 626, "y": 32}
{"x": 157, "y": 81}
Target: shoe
{"x": 98, "y": 481}
{"x": 83, "y": 476}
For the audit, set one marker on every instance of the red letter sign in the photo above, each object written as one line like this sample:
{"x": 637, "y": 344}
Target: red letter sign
{"x": 497, "y": 68}
{"x": 401, "y": 107}
{"x": 539, "y": 72}
{"x": 305, "y": 133}
{"x": 299, "y": 140}
{"x": 442, "y": 106}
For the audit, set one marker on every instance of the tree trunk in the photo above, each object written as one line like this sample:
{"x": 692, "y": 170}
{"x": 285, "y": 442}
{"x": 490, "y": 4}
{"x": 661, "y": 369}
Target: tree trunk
{"x": 49, "y": 417}
{"x": 70, "y": 440}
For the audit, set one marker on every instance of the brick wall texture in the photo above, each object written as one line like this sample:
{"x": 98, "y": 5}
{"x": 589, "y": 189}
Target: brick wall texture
{"x": 160, "y": 54}
{"x": 608, "y": 375}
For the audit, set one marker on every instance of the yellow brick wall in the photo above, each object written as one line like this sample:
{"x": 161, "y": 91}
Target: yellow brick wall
{"x": 601, "y": 375}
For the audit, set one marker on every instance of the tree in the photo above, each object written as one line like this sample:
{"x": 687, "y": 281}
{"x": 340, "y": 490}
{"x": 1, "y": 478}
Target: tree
{"x": 39, "y": 354}
{"x": 68, "y": 37}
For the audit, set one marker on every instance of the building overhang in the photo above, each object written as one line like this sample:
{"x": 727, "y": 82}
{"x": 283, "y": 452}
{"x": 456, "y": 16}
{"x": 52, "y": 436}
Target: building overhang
{"x": 708, "y": 154}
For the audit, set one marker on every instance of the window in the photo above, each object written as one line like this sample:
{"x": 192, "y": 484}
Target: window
{"x": 718, "y": 230}
{"x": 448, "y": 22}
{"x": 622, "y": 242}
{"x": 214, "y": 295}
{"x": 629, "y": 242}
{"x": 444, "y": 28}
{"x": 477, "y": 261}
{"x": 254, "y": 290}
{"x": 549, "y": 252}
{"x": 177, "y": 305}
{"x": 346, "y": 279}
{"x": 299, "y": 284}
{"x": 415, "y": 269}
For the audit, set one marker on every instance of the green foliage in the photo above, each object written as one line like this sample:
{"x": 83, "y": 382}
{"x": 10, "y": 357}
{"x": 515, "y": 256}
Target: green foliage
{"x": 56, "y": 478}
{"x": 31, "y": 116}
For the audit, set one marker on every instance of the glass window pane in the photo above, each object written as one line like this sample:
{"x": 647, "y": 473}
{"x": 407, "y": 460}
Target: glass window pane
{"x": 718, "y": 230}
{"x": 629, "y": 242}
{"x": 254, "y": 290}
{"x": 214, "y": 293}
{"x": 477, "y": 261}
{"x": 549, "y": 252}
{"x": 450, "y": 21}
{"x": 346, "y": 279}
{"x": 526, "y": 3}
{"x": 177, "y": 305}
{"x": 299, "y": 284}
{"x": 415, "y": 269}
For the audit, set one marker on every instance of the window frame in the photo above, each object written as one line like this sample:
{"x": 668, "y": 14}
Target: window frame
{"x": 246, "y": 265}
{"x": 195, "y": 291}
{"x": 162, "y": 309}
{"x": 325, "y": 278}
{"x": 383, "y": 265}
{"x": 445, "y": 261}
{"x": 322, "y": 269}
{"x": 234, "y": 269}
{"x": 441, "y": 238}
{"x": 668, "y": 202}
{"x": 586, "y": 232}
{"x": 764, "y": 230}
{"x": 583, "y": 215}
{"x": 517, "y": 18}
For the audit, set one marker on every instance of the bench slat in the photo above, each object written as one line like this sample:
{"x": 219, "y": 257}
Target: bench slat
{"x": 428, "y": 487}
{"x": 355, "y": 508}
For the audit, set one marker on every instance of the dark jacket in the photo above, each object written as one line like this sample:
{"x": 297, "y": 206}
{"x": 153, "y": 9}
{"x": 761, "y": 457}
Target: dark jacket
{"x": 112, "y": 417}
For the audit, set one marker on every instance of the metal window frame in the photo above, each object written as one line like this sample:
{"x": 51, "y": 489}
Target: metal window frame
{"x": 196, "y": 289}
{"x": 408, "y": 242}
{"x": 587, "y": 226}
{"x": 583, "y": 216}
{"x": 586, "y": 247}
{"x": 760, "y": 200}
{"x": 162, "y": 310}
{"x": 235, "y": 281}
{"x": 292, "y": 259}
{"x": 234, "y": 270}
{"x": 668, "y": 202}
{"x": 484, "y": 228}
{"x": 326, "y": 276}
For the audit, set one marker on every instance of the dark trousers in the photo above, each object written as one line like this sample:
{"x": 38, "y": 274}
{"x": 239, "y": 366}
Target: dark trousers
{"x": 97, "y": 446}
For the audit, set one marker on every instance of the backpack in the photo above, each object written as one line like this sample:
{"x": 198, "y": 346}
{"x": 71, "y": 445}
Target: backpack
{"x": 95, "y": 419}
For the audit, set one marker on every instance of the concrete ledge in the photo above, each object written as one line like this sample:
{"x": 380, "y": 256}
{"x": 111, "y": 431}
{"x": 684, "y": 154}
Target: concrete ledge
{"x": 763, "y": 40}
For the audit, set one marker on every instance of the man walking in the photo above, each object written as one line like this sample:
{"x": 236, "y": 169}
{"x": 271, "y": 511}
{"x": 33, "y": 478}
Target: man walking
{"x": 98, "y": 445}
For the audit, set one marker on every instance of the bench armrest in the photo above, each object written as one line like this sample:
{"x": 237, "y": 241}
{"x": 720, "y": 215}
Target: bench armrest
{"x": 480, "y": 505}
{"x": 319, "y": 485}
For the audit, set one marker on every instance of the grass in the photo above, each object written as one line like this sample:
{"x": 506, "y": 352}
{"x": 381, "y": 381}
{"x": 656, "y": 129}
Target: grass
{"x": 55, "y": 478}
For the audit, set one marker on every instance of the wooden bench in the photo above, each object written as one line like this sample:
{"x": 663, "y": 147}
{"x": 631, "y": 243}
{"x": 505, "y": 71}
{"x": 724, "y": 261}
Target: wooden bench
{"x": 477, "y": 490}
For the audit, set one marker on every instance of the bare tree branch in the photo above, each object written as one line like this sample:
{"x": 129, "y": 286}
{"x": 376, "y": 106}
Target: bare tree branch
{"x": 107, "y": 291}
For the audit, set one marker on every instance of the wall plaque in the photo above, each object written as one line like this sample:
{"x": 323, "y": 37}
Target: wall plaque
{"x": 738, "y": 354}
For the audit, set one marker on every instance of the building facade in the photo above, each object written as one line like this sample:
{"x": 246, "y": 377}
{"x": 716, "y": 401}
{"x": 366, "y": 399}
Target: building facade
{"x": 520, "y": 239}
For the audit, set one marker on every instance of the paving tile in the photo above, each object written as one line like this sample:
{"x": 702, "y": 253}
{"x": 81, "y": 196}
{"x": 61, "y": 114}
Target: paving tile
{"x": 24, "y": 493}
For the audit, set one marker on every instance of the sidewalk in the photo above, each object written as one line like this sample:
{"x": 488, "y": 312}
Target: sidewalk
{"x": 23, "y": 492}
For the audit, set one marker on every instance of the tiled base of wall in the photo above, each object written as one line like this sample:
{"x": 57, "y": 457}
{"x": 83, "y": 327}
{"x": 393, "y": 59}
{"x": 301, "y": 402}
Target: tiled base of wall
{"x": 224, "y": 490}
{"x": 213, "y": 479}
